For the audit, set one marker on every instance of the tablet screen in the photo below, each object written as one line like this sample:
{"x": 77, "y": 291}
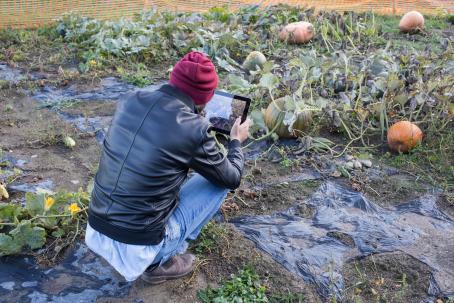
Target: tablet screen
{"x": 223, "y": 109}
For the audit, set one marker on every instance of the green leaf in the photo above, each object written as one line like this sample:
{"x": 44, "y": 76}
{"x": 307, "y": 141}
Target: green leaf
{"x": 268, "y": 66}
{"x": 225, "y": 65}
{"x": 9, "y": 212}
{"x": 8, "y": 245}
{"x": 34, "y": 204}
{"x": 237, "y": 83}
{"x": 269, "y": 81}
{"x": 258, "y": 119}
{"x": 27, "y": 234}
{"x": 58, "y": 233}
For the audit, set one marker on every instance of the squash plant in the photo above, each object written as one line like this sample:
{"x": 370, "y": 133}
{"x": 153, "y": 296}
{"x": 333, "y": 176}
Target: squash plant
{"x": 24, "y": 227}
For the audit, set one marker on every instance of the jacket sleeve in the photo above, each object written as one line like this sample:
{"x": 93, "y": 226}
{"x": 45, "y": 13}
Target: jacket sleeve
{"x": 217, "y": 168}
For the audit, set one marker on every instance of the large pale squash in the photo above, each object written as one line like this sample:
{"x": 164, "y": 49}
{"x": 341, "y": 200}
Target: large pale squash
{"x": 411, "y": 22}
{"x": 297, "y": 32}
{"x": 274, "y": 119}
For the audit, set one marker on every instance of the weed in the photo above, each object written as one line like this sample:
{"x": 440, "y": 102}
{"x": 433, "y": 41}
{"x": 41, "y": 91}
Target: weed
{"x": 209, "y": 239}
{"x": 244, "y": 287}
{"x": 60, "y": 105}
{"x": 4, "y": 84}
{"x": 286, "y": 161}
{"x": 287, "y": 297}
{"x": 451, "y": 19}
{"x": 140, "y": 77}
{"x": 377, "y": 282}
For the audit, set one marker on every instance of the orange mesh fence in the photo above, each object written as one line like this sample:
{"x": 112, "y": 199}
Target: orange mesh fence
{"x": 33, "y": 13}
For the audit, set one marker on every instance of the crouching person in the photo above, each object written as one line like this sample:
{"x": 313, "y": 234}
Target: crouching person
{"x": 143, "y": 209}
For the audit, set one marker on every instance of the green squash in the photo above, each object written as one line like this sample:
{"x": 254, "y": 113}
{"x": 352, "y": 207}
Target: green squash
{"x": 254, "y": 60}
{"x": 274, "y": 118}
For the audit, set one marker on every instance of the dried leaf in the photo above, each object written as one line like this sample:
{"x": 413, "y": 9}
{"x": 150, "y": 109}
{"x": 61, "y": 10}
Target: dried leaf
{"x": 3, "y": 192}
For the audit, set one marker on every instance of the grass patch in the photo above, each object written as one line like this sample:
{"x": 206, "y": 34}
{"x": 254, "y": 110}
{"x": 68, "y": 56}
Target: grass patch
{"x": 210, "y": 238}
{"x": 139, "y": 76}
{"x": 433, "y": 160}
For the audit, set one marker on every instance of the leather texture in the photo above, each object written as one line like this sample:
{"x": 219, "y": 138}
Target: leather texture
{"x": 177, "y": 267}
{"x": 154, "y": 139}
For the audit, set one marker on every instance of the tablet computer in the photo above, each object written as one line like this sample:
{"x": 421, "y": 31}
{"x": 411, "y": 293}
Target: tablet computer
{"x": 224, "y": 108}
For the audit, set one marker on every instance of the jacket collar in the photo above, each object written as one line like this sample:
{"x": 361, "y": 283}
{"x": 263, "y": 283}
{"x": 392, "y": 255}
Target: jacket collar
{"x": 175, "y": 92}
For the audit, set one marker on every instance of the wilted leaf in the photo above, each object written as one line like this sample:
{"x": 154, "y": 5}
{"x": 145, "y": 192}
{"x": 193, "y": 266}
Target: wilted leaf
{"x": 3, "y": 192}
{"x": 401, "y": 99}
{"x": 289, "y": 119}
{"x": 394, "y": 85}
{"x": 362, "y": 113}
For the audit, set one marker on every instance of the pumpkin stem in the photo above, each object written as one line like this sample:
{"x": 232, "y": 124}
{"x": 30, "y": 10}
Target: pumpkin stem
{"x": 267, "y": 135}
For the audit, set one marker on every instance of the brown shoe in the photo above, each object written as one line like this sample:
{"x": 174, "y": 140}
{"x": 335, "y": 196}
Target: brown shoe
{"x": 177, "y": 267}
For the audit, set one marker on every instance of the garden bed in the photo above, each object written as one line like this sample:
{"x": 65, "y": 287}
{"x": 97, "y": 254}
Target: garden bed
{"x": 356, "y": 77}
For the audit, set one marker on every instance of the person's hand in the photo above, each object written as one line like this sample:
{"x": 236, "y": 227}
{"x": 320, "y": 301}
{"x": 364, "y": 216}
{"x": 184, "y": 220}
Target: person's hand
{"x": 240, "y": 131}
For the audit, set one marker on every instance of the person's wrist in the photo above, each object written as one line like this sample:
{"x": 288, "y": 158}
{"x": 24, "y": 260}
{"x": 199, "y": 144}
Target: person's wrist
{"x": 235, "y": 138}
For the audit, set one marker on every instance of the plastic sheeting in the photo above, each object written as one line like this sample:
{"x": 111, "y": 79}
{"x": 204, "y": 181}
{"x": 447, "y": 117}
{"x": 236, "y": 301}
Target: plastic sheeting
{"x": 307, "y": 247}
{"x": 109, "y": 89}
{"x": 82, "y": 277}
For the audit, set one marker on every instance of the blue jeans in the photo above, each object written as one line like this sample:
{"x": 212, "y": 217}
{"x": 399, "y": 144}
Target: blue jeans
{"x": 200, "y": 200}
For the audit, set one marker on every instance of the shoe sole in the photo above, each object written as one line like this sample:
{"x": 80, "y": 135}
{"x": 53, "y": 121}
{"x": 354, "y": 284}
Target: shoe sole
{"x": 160, "y": 280}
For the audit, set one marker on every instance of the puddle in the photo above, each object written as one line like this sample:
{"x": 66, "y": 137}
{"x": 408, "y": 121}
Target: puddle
{"x": 311, "y": 248}
{"x": 82, "y": 277}
{"x": 10, "y": 74}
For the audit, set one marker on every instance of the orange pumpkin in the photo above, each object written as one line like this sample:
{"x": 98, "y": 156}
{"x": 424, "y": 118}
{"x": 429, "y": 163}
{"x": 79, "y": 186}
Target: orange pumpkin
{"x": 411, "y": 21}
{"x": 403, "y": 136}
{"x": 297, "y": 32}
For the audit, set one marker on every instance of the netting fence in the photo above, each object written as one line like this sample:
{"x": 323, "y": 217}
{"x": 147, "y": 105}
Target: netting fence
{"x": 34, "y": 13}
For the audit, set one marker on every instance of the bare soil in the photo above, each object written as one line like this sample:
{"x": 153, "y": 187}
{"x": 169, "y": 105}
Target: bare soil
{"x": 388, "y": 277}
{"x": 36, "y": 136}
{"x": 91, "y": 108}
{"x": 269, "y": 188}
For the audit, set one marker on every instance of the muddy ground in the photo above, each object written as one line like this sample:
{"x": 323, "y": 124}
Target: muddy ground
{"x": 35, "y": 134}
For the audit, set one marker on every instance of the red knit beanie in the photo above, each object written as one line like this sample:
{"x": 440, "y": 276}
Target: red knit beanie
{"x": 196, "y": 76}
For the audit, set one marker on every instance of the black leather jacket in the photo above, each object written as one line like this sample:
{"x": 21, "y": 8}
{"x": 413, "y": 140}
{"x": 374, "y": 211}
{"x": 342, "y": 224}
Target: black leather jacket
{"x": 154, "y": 139}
